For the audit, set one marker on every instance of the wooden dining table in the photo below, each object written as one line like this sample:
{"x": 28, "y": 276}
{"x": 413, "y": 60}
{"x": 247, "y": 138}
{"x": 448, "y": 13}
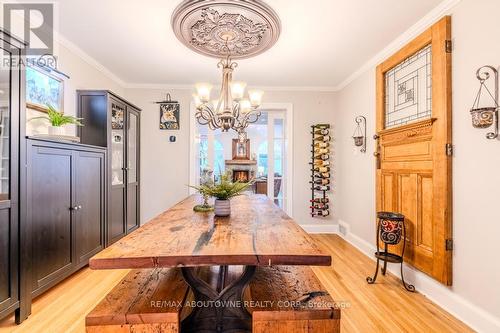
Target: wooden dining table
{"x": 257, "y": 233}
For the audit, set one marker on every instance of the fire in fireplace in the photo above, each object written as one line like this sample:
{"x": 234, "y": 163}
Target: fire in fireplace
{"x": 241, "y": 175}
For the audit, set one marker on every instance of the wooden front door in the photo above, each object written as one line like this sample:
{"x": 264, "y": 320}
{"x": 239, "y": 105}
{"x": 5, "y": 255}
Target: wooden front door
{"x": 413, "y": 147}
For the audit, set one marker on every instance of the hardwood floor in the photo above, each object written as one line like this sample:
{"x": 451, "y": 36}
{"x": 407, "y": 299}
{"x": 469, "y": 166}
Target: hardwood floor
{"x": 383, "y": 307}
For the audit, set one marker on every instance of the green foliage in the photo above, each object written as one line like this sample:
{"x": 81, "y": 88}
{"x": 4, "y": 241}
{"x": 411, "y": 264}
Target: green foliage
{"x": 57, "y": 118}
{"x": 223, "y": 190}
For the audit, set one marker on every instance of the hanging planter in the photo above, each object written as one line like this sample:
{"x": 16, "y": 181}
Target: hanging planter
{"x": 359, "y": 135}
{"x": 484, "y": 117}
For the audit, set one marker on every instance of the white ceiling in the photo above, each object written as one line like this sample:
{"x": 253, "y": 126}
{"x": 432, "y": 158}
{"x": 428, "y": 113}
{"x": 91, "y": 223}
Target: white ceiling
{"x": 322, "y": 41}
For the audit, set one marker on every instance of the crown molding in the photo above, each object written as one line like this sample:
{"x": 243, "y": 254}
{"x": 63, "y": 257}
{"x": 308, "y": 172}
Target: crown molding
{"x": 422, "y": 24}
{"x": 63, "y": 41}
{"x": 163, "y": 86}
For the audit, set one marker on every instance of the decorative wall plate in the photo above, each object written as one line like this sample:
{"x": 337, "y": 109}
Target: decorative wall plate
{"x": 243, "y": 28}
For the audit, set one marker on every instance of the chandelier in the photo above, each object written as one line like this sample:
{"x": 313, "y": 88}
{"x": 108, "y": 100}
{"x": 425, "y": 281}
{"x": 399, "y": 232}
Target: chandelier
{"x": 231, "y": 110}
{"x": 227, "y": 30}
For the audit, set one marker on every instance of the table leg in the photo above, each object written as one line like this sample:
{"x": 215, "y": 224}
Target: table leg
{"x": 220, "y": 309}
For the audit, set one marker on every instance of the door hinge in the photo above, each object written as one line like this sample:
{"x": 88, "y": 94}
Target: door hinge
{"x": 449, "y": 149}
{"x": 448, "y": 46}
{"x": 449, "y": 244}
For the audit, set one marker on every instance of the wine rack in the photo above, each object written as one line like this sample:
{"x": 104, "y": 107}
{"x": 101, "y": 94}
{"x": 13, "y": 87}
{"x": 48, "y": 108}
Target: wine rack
{"x": 320, "y": 170}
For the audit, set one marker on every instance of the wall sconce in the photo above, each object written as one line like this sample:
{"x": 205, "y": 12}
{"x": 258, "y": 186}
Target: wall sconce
{"x": 359, "y": 135}
{"x": 484, "y": 117}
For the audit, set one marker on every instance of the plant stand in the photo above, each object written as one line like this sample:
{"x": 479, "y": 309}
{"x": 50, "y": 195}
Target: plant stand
{"x": 390, "y": 229}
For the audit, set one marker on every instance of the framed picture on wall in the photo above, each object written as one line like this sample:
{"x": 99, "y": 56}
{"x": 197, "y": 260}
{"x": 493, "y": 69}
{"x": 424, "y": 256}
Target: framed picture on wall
{"x": 169, "y": 116}
{"x": 43, "y": 88}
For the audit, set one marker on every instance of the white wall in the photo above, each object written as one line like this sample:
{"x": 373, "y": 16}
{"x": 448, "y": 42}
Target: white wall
{"x": 475, "y": 294}
{"x": 83, "y": 75}
{"x": 165, "y": 165}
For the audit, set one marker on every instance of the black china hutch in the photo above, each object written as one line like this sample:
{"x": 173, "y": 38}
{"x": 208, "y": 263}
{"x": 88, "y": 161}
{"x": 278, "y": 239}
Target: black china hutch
{"x": 114, "y": 123}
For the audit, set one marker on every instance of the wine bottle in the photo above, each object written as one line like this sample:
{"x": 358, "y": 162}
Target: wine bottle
{"x": 320, "y": 206}
{"x": 322, "y": 131}
{"x": 321, "y": 151}
{"x": 322, "y": 188}
{"x": 324, "y": 138}
{"x": 322, "y": 175}
{"x": 320, "y": 200}
{"x": 323, "y": 181}
{"x": 323, "y": 157}
{"x": 321, "y": 163}
{"x": 321, "y": 145}
{"x": 322, "y": 212}
{"x": 322, "y": 169}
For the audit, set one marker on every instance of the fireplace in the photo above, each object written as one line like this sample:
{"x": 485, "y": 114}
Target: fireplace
{"x": 241, "y": 176}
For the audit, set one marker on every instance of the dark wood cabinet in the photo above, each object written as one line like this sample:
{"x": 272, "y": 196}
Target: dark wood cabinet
{"x": 65, "y": 208}
{"x": 114, "y": 123}
{"x": 89, "y": 208}
{"x": 12, "y": 76}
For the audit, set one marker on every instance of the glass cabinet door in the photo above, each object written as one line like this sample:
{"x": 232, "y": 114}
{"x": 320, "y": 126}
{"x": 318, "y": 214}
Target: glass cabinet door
{"x": 117, "y": 142}
{"x": 132, "y": 169}
{"x": 132, "y": 148}
{"x": 5, "y": 127}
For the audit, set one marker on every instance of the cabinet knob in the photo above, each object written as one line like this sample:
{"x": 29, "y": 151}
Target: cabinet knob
{"x": 79, "y": 206}
{"x": 73, "y": 208}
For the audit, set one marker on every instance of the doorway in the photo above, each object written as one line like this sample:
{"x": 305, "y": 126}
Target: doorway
{"x": 270, "y": 157}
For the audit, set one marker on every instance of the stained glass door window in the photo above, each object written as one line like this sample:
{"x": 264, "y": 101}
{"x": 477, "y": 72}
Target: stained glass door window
{"x": 408, "y": 90}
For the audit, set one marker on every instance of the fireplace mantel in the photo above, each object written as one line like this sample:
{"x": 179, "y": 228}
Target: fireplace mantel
{"x": 240, "y": 162}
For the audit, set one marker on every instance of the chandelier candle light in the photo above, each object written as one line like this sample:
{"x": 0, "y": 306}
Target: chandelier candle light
{"x": 231, "y": 110}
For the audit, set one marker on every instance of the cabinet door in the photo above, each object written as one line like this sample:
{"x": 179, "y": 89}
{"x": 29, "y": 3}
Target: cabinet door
{"x": 50, "y": 213}
{"x": 132, "y": 169}
{"x": 9, "y": 123}
{"x": 89, "y": 204}
{"x": 116, "y": 226}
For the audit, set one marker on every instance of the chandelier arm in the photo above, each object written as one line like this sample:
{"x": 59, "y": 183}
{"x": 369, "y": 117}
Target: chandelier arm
{"x": 252, "y": 116}
{"x": 206, "y": 116}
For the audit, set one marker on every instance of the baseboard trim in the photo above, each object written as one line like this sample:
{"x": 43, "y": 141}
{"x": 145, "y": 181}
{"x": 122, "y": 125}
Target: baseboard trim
{"x": 321, "y": 228}
{"x": 473, "y": 316}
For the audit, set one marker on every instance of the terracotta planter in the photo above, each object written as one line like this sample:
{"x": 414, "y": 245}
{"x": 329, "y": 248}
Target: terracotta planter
{"x": 56, "y": 130}
{"x": 482, "y": 117}
{"x": 222, "y": 207}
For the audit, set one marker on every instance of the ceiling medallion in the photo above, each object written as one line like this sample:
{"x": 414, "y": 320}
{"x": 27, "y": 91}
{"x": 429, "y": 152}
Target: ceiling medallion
{"x": 217, "y": 28}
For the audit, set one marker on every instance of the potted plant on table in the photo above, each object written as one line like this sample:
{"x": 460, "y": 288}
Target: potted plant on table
{"x": 222, "y": 191}
{"x": 58, "y": 120}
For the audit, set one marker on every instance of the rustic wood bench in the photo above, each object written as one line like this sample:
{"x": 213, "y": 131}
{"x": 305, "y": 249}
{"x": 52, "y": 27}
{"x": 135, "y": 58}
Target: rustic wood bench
{"x": 299, "y": 302}
{"x": 146, "y": 300}
{"x": 280, "y": 299}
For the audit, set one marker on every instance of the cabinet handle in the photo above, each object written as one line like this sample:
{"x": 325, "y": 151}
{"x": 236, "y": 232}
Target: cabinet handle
{"x": 73, "y": 208}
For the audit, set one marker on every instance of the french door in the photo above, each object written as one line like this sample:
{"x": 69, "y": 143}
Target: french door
{"x": 268, "y": 149}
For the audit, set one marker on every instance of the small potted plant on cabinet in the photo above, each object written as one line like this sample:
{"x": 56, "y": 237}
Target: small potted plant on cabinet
{"x": 222, "y": 191}
{"x": 58, "y": 120}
